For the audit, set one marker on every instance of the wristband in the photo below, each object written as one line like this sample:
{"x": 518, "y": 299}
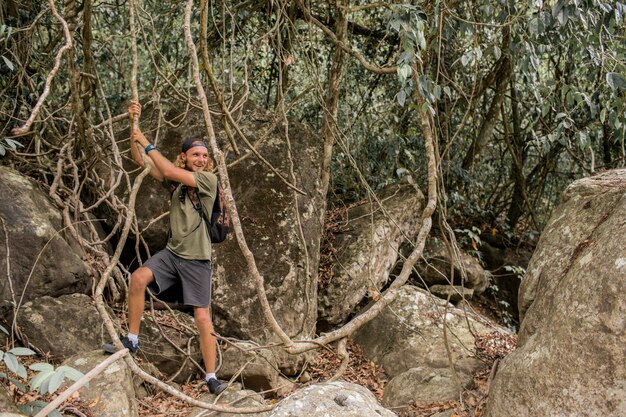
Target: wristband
{"x": 149, "y": 148}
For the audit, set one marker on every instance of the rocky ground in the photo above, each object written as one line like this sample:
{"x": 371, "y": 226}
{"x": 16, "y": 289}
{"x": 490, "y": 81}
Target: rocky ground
{"x": 324, "y": 365}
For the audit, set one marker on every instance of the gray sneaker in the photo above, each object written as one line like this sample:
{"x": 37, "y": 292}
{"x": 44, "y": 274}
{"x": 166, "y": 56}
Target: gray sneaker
{"x": 110, "y": 348}
{"x": 216, "y": 387}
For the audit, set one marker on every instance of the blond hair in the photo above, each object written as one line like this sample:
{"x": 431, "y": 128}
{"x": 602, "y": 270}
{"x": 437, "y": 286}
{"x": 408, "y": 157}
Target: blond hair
{"x": 179, "y": 163}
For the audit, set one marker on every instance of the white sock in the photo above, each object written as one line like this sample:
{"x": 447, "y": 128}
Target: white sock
{"x": 133, "y": 338}
{"x": 210, "y": 375}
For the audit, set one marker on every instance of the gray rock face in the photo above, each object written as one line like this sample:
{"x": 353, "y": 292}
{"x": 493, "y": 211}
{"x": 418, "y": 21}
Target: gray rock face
{"x": 70, "y": 325}
{"x": 7, "y": 408}
{"x": 62, "y": 326}
{"x": 409, "y": 333}
{"x": 367, "y": 251}
{"x": 282, "y": 228}
{"x": 42, "y": 261}
{"x": 331, "y": 399}
{"x": 168, "y": 346}
{"x": 407, "y": 339}
{"x": 234, "y": 396}
{"x": 256, "y": 368}
{"x": 111, "y": 393}
{"x": 423, "y": 384}
{"x": 436, "y": 269}
{"x": 570, "y": 359}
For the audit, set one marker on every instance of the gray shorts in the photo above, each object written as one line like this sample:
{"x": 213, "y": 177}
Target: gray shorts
{"x": 195, "y": 277}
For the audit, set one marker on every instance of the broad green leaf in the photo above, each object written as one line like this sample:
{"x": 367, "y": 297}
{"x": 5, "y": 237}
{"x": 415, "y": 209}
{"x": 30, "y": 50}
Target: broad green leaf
{"x": 556, "y": 9}
{"x": 616, "y": 81}
{"x": 55, "y": 381}
{"x": 71, "y": 373}
{"x": 18, "y": 384}
{"x": 21, "y": 371}
{"x": 2, "y": 150}
{"x": 43, "y": 388}
{"x": 478, "y": 53}
{"x": 11, "y": 362}
{"x": 3, "y": 330}
{"x": 38, "y": 380}
{"x": 13, "y": 144}
{"x": 8, "y": 63}
{"x": 533, "y": 25}
{"x": 1, "y": 354}
{"x": 41, "y": 366}
{"x": 465, "y": 59}
{"x": 437, "y": 92}
{"x": 563, "y": 16}
{"x": 401, "y": 96}
{"x": 497, "y": 53}
{"x": 32, "y": 407}
{"x": 22, "y": 351}
{"x": 421, "y": 40}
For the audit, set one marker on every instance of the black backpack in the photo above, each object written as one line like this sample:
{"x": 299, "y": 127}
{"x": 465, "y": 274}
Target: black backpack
{"x": 219, "y": 224}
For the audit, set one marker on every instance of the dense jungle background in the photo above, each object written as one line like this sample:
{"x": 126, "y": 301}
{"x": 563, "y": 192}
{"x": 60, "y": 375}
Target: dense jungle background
{"x": 491, "y": 108}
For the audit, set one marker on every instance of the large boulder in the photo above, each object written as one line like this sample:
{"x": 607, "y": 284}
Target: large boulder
{"x": 111, "y": 392}
{"x": 423, "y": 384}
{"x": 282, "y": 227}
{"x": 407, "y": 338}
{"x": 71, "y": 325}
{"x": 256, "y": 367}
{"x": 410, "y": 332}
{"x": 234, "y": 396}
{"x": 170, "y": 343}
{"x": 43, "y": 259}
{"x": 366, "y": 249}
{"x": 331, "y": 399}
{"x": 570, "y": 359}
{"x": 436, "y": 268}
{"x": 7, "y": 408}
{"x": 63, "y": 326}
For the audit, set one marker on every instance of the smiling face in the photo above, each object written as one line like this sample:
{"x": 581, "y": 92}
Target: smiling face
{"x": 196, "y": 158}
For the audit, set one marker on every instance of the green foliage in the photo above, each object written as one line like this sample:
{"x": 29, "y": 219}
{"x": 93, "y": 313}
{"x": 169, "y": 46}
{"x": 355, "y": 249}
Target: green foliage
{"x": 47, "y": 381}
{"x": 562, "y": 60}
{"x": 34, "y": 407}
{"x": 471, "y": 235}
{"x": 517, "y": 270}
{"x": 9, "y": 144}
{"x": 11, "y": 361}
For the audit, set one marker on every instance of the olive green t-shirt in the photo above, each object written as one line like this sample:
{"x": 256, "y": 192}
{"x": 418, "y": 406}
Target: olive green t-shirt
{"x": 190, "y": 237}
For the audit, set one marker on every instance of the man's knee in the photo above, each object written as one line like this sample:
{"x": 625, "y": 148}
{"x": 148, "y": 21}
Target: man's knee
{"x": 202, "y": 316}
{"x": 140, "y": 279}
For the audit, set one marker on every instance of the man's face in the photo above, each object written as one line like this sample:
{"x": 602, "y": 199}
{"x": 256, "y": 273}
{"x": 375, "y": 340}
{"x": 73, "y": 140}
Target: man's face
{"x": 196, "y": 158}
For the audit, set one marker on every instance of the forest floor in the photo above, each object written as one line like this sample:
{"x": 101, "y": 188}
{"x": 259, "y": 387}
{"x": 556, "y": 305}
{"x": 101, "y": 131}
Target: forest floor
{"x": 490, "y": 348}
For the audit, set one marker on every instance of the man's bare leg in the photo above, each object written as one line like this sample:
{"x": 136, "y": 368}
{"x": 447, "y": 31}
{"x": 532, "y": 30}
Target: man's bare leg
{"x": 139, "y": 281}
{"x": 208, "y": 346}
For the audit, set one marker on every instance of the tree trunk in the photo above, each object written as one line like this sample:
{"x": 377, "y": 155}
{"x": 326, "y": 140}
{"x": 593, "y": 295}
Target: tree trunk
{"x": 489, "y": 122}
{"x": 331, "y": 105}
{"x": 518, "y": 156}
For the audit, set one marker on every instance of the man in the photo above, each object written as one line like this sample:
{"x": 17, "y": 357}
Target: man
{"x": 187, "y": 257}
